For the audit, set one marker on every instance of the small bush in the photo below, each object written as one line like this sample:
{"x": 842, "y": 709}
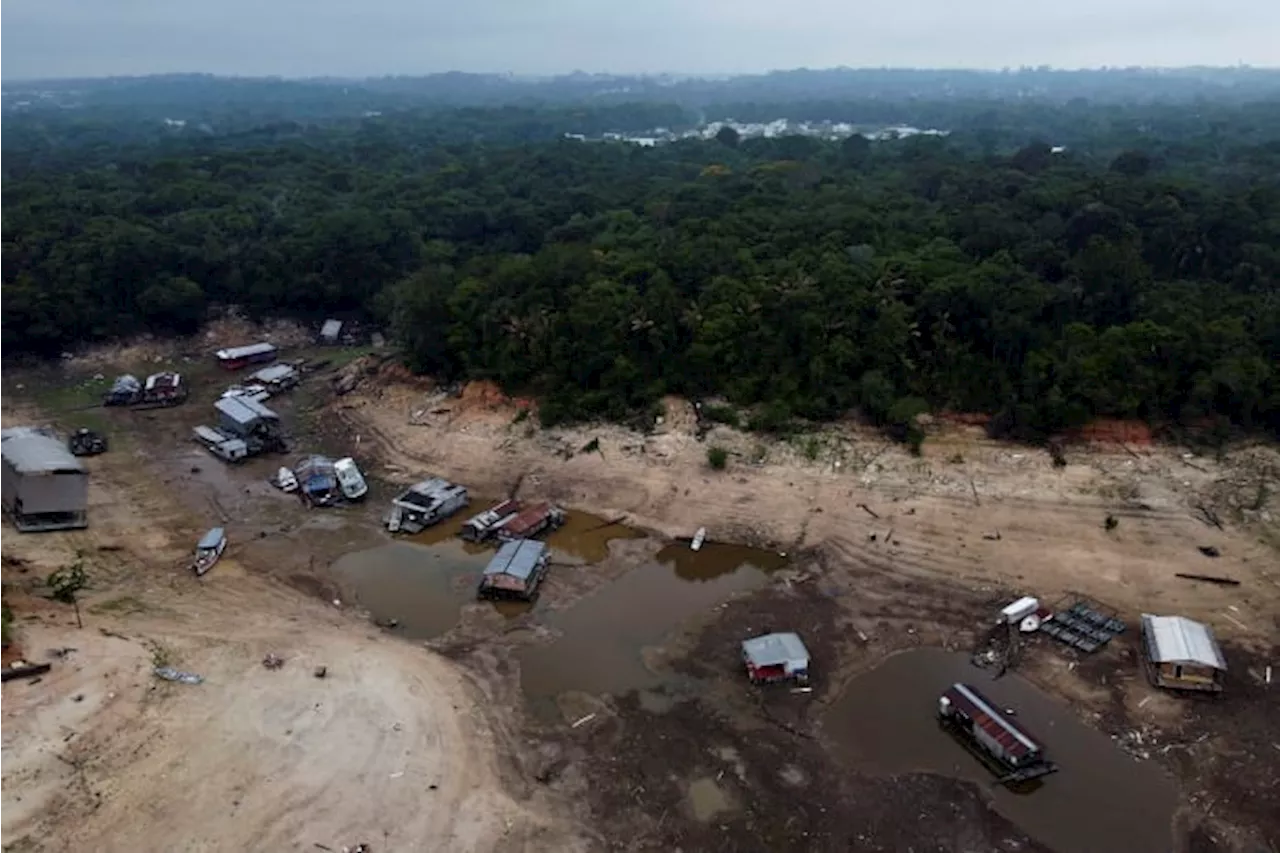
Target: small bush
{"x": 726, "y": 415}
{"x": 717, "y": 458}
{"x": 6, "y": 624}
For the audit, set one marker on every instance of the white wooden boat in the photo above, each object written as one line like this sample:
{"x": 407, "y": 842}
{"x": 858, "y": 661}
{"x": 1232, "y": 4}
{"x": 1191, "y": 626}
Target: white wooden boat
{"x": 209, "y": 549}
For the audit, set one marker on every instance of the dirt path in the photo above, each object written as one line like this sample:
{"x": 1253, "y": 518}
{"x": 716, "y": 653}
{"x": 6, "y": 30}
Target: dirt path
{"x": 391, "y": 748}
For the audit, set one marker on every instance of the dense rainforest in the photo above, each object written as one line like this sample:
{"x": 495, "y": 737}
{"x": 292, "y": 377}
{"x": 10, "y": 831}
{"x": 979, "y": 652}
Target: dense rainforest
{"x": 1049, "y": 264}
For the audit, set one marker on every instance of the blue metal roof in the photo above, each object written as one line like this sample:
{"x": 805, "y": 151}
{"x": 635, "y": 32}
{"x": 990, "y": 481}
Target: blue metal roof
{"x": 212, "y": 539}
{"x": 518, "y": 558}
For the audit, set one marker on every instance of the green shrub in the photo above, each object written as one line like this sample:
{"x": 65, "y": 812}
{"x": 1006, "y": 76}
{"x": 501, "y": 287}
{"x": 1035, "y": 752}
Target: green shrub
{"x": 717, "y": 458}
{"x": 721, "y": 414}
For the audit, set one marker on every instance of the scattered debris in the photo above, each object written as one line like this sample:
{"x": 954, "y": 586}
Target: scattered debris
{"x": 86, "y": 442}
{"x": 1221, "y": 581}
{"x": 1208, "y": 516}
{"x": 273, "y": 661}
{"x": 321, "y": 671}
{"x": 993, "y": 537}
{"x": 1111, "y": 523}
{"x": 168, "y": 673}
{"x": 583, "y": 721}
{"x": 1210, "y": 551}
{"x": 868, "y": 510}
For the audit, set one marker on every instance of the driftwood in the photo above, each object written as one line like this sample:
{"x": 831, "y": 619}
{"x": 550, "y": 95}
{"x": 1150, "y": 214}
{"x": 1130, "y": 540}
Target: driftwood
{"x": 1221, "y": 581}
{"x": 28, "y": 671}
{"x": 608, "y": 523}
{"x": 868, "y": 510}
{"x": 1208, "y": 516}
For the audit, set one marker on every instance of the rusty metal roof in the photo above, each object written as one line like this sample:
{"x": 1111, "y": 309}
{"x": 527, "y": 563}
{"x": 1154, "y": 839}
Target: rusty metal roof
{"x": 1015, "y": 740}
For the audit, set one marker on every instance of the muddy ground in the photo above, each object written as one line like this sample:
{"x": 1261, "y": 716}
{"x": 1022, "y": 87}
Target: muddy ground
{"x": 885, "y": 552}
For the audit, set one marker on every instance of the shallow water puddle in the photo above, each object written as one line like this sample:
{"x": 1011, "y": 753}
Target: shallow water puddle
{"x": 707, "y": 799}
{"x": 604, "y": 635}
{"x": 587, "y": 536}
{"x": 423, "y": 588}
{"x": 1100, "y": 801}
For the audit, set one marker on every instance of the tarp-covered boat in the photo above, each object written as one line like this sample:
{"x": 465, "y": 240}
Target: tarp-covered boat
{"x": 209, "y": 549}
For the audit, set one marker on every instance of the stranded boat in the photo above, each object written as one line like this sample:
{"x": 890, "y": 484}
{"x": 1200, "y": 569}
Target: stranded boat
{"x": 209, "y": 549}
{"x": 1000, "y": 741}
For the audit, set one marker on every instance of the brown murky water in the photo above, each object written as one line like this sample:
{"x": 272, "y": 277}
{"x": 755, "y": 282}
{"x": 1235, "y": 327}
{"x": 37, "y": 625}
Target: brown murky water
{"x": 1100, "y": 801}
{"x": 422, "y": 588}
{"x": 584, "y": 536}
{"x": 587, "y": 536}
{"x": 604, "y": 635}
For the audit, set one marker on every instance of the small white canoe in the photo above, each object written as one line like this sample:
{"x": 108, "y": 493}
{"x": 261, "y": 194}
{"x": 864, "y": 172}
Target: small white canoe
{"x": 698, "y": 538}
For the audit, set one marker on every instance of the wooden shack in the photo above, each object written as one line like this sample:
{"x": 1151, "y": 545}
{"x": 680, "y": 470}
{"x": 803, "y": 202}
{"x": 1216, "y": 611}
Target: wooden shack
{"x": 1181, "y": 654}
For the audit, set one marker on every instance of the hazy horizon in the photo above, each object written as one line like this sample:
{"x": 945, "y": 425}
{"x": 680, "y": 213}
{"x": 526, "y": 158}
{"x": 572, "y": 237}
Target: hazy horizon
{"x": 321, "y": 38}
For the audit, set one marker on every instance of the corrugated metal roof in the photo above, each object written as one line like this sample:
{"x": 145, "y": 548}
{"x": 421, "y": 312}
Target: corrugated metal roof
{"x": 234, "y": 353}
{"x": 1177, "y": 639}
{"x": 34, "y": 453}
{"x": 274, "y": 373}
{"x": 244, "y": 410}
{"x": 1015, "y": 740}
{"x": 518, "y": 558}
{"x": 775, "y": 650}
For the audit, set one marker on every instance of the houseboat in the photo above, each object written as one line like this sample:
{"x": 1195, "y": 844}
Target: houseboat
{"x": 999, "y": 740}
{"x": 516, "y": 571}
{"x": 235, "y": 358}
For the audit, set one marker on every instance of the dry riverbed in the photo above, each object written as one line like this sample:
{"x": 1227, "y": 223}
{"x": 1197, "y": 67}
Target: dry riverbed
{"x": 612, "y": 714}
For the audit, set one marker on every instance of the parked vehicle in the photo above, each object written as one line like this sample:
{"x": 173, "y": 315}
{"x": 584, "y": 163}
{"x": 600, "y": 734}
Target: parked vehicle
{"x": 993, "y": 735}
{"x": 350, "y": 479}
{"x": 209, "y": 549}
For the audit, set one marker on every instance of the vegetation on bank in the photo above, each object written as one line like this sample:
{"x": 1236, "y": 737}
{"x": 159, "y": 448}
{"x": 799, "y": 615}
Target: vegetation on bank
{"x": 793, "y": 277}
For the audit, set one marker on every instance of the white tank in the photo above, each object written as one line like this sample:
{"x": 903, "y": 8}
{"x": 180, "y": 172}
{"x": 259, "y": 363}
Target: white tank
{"x": 944, "y": 706}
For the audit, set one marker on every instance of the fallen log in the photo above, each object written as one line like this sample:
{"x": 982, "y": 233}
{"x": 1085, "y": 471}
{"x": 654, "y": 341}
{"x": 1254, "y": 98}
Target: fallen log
{"x": 1221, "y": 581}
{"x": 29, "y": 670}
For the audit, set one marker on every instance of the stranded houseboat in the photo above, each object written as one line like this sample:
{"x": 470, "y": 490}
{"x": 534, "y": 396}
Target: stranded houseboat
{"x": 1000, "y": 741}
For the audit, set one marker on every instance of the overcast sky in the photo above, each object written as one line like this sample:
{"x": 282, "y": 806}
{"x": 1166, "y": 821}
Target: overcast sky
{"x": 66, "y": 38}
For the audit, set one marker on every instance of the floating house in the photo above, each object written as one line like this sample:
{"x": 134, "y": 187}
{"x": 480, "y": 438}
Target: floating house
{"x": 516, "y": 571}
{"x": 1181, "y": 654}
